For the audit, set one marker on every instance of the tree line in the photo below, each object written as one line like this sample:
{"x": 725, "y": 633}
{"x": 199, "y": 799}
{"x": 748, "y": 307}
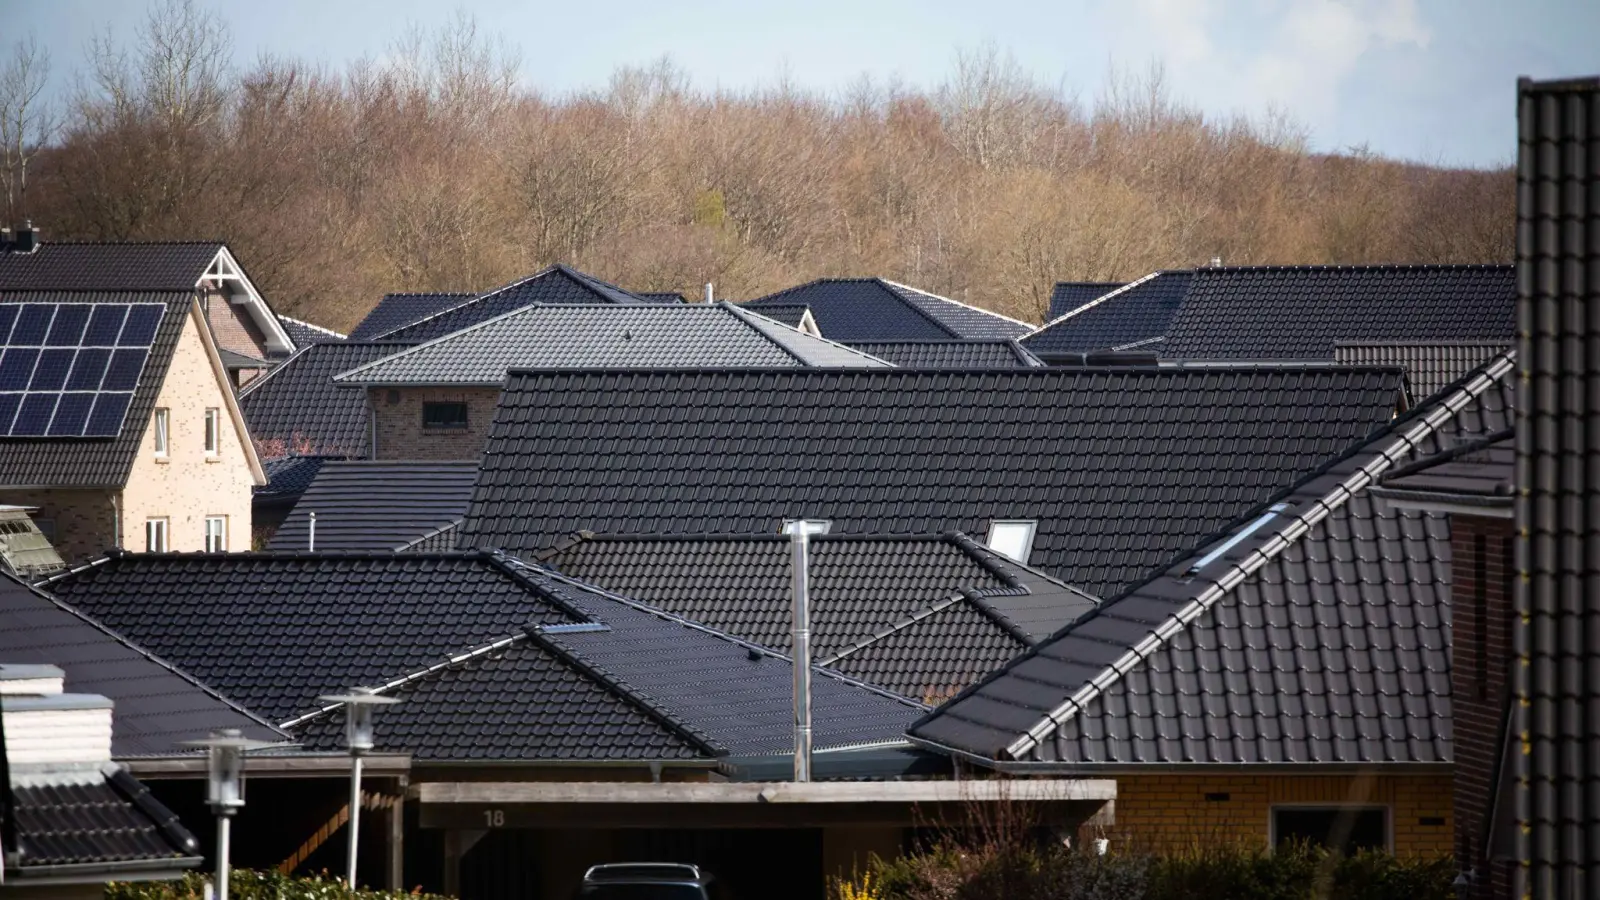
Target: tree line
{"x": 436, "y": 169}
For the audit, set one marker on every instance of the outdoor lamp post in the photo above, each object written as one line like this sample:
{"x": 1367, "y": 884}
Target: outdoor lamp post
{"x": 225, "y": 752}
{"x": 358, "y": 708}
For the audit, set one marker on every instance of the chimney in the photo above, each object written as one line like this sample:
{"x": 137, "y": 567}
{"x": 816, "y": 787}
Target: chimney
{"x": 27, "y": 239}
{"x": 1216, "y": 262}
{"x": 711, "y": 294}
{"x": 5, "y": 239}
{"x": 45, "y": 727}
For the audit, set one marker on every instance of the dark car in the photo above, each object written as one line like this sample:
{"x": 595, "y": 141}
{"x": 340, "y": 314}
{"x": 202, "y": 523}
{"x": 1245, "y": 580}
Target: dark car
{"x": 648, "y": 881}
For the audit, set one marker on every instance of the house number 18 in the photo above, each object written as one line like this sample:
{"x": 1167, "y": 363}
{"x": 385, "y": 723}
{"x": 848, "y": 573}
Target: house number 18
{"x": 494, "y": 818}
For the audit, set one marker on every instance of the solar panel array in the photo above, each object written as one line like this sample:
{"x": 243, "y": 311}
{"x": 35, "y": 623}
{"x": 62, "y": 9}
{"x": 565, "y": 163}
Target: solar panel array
{"x": 70, "y": 369}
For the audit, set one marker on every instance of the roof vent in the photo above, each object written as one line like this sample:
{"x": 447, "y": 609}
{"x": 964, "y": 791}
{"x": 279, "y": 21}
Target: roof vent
{"x": 1216, "y": 262}
{"x": 711, "y": 294}
{"x": 27, "y": 239}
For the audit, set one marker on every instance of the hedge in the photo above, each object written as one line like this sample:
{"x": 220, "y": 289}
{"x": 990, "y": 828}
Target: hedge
{"x": 249, "y": 884}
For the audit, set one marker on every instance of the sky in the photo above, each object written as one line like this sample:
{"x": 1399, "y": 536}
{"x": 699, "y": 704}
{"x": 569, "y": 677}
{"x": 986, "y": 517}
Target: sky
{"x": 1427, "y": 80}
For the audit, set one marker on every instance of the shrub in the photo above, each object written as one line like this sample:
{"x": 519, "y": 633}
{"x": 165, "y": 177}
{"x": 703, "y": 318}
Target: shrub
{"x": 249, "y": 884}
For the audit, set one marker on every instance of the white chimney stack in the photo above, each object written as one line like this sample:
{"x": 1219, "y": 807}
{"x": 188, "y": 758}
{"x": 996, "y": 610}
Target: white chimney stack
{"x": 45, "y": 726}
{"x": 711, "y": 295}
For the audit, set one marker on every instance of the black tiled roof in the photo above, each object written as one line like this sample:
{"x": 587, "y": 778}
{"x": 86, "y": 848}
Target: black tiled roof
{"x": 863, "y": 589}
{"x": 1558, "y": 512}
{"x": 88, "y": 266}
{"x": 377, "y": 505}
{"x": 156, "y": 704}
{"x": 304, "y": 333}
{"x": 1483, "y": 470}
{"x": 97, "y": 462}
{"x": 95, "y": 819}
{"x": 792, "y": 315}
{"x": 1136, "y": 314}
{"x": 557, "y": 284}
{"x": 289, "y": 476}
{"x": 298, "y": 409}
{"x": 950, "y": 354}
{"x": 399, "y": 310}
{"x": 853, "y": 310}
{"x": 1121, "y": 467}
{"x": 663, "y": 296}
{"x": 1300, "y": 312}
{"x": 1069, "y": 295}
{"x": 1321, "y": 635}
{"x": 608, "y": 336}
{"x": 1429, "y": 367}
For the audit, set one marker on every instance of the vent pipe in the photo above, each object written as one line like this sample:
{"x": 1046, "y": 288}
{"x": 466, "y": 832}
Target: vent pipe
{"x": 798, "y": 550}
{"x": 711, "y": 294}
{"x": 1216, "y": 262}
{"x": 311, "y": 538}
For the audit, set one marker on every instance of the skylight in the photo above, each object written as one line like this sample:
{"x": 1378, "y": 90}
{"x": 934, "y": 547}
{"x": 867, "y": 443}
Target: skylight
{"x": 1260, "y": 522}
{"x": 1012, "y": 538}
{"x": 811, "y": 526}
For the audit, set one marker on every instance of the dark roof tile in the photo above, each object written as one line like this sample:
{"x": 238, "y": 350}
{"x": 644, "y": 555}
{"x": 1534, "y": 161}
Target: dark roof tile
{"x": 377, "y": 505}
{"x": 852, "y": 310}
{"x": 950, "y": 354}
{"x": 1067, "y": 296}
{"x": 125, "y": 266}
{"x": 402, "y": 309}
{"x": 557, "y": 284}
{"x": 297, "y": 409}
{"x": 1136, "y": 314}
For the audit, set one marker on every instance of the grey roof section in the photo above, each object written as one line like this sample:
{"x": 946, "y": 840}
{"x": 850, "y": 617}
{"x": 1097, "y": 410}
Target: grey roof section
{"x": 97, "y": 462}
{"x": 611, "y": 336}
{"x": 298, "y": 409}
{"x": 157, "y": 705}
{"x": 876, "y": 309}
{"x": 1067, "y": 296}
{"x": 401, "y": 309}
{"x": 1429, "y": 367}
{"x": 163, "y": 266}
{"x": 1558, "y": 512}
{"x": 372, "y": 505}
{"x": 305, "y": 333}
{"x": 951, "y": 354}
{"x": 557, "y": 284}
{"x": 792, "y": 315}
{"x": 85, "y": 827}
{"x": 1318, "y": 634}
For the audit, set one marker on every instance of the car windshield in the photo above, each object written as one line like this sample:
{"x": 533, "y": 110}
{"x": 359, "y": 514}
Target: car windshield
{"x": 642, "y": 892}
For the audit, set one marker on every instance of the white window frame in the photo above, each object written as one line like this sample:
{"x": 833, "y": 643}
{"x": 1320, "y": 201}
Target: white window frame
{"x": 1335, "y": 806}
{"x": 213, "y": 431}
{"x": 1030, "y": 528}
{"x": 154, "y": 527}
{"x": 161, "y": 424}
{"x": 221, "y": 523}
{"x": 813, "y": 526}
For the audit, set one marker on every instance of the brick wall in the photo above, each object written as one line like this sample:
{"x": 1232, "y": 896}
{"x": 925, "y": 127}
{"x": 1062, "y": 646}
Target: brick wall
{"x": 400, "y": 434}
{"x": 84, "y": 522}
{"x": 1177, "y": 811}
{"x": 1480, "y": 653}
{"x": 232, "y": 327}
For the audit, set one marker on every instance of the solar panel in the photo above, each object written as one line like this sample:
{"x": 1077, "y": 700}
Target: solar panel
{"x": 70, "y": 369}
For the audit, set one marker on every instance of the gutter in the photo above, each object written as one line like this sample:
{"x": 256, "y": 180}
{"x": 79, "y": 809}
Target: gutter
{"x": 167, "y": 869}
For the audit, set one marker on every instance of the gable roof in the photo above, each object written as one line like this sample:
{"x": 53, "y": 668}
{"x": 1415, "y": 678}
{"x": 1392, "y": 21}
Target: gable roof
{"x": 793, "y": 315}
{"x": 289, "y": 476}
{"x": 297, "y": 408}
{"x": 1429, "y": 367}
{"x": 663, "y": 296}
{"x": 157, "y": 705}
{"x": 950, "y": 354}
{"x": 1121, "y": 467}
{"x": 305, "y": 333}
{"x": 1136, "y": 314}
{"x": 1300, "y": 312}
{"x": 1313, "y": 630}
{"x": 714, "y": 694}
{"x": 611, "y": 336}
{"x": 110, "y": 266}
{"x": 852, "y": 310}
{"x": 1067, "y": 296}
{"x": 864, "y": 589}
{"x": 374, "y": 505}
{"x": 556, "y": 284}
{"x": 401, "y": 309}
{"x": 97, "y": 462}
{"x": 282, "y": 629}
{"x": 86, "y": 826}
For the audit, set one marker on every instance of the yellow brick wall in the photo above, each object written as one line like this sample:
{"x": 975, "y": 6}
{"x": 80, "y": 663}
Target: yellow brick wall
{"x": 1171, "y": 811}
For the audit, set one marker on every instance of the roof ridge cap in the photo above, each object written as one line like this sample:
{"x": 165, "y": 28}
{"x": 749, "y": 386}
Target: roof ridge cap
{"x": 961, "y": 303}
{"x": 1101, "y": 299}
{"x": 761, "y": 328}
{"x": 1383, "y": 457}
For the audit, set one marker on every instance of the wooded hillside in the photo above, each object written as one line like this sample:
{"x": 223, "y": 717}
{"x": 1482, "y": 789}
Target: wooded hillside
{"x": 436, "y": 170}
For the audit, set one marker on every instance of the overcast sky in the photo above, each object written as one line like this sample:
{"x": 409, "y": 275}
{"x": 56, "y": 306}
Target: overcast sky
{"x": 1423, "y": 79}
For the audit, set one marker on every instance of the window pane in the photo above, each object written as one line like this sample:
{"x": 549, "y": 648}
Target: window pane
{"x": 444, "y": 415}
{"x": 211, "y": 431}
{"x": 1013, "y": 539}
{"x": 161, "y": 431}
{"x": 1347, "y": 830}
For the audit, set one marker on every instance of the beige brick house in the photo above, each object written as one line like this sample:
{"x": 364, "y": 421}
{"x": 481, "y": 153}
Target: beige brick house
{"x": 165, "y": 465}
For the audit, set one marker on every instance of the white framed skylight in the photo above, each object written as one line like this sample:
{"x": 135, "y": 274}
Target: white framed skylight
{"x": 1222, "y": 549}
{"x": 812, "y": 526}
{"x": 1012, "y": 538}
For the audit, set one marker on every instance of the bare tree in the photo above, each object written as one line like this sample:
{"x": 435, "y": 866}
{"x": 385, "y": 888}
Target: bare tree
{"x": 27, "y": 120}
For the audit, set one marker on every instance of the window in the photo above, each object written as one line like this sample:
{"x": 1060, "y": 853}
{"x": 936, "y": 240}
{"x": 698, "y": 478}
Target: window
{"x": 1013, "y": 539}
{"x": 162, "y": 417}
{"x": 812, "y": 526}
{"x": 1346, "y": 829}
{"x": 444, "y": 415}
{"x": 216, "y": 534}
{"x": 212, "y": 438}
{"x": 155, "y": 535}
{"x": 1260, "y": 522}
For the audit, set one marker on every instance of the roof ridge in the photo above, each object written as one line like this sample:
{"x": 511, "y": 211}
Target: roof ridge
{"x": 1394, "y": 446}
{"x": 312, "y": 326}
{"x": 147, "y": 243}
{"x": 1368, "y": 267}
{"x": 894, "y": 627}
{"x": 930, "y": 294}
{"x": 1452, "y": 453}
{"x": 300, "y": 351}
{"x": 745, "y": 316}
{"x": 1102, "y": 298}
{"x": 469, "y": 299}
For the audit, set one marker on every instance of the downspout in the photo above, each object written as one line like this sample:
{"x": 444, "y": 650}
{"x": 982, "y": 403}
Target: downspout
{"x": 116, "y": 520}
{"x": 798, "y": 541}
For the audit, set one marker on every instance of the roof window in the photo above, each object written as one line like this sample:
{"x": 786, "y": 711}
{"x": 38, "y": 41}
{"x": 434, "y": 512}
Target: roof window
{"x": 811, "y": 526}
{"x": 1259, "y": 523}
{"x": 1012, "y": 538}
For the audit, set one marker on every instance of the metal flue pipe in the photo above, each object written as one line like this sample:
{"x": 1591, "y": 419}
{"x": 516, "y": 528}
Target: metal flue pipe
{"x": 798, "y": 551}
{"x": 311, "y": 534}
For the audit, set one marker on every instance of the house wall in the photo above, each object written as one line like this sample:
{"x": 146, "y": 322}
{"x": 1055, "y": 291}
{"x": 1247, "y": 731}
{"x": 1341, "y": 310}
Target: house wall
{"x": 1480, "y": 653}
{"x": 232, "y": 327}
{"x": 1180, "y": 810}
{"x": 84, "y": 521}
{"x": 400, "y": 435}
{"x": 187, "y": 486}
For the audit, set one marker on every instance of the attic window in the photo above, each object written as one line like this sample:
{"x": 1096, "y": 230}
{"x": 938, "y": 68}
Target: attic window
{"x": 1260, "y": 522}
{"x": 812, "y": 526}
{"x": 1012, "y": 538}
{"x": 444, "y": 415}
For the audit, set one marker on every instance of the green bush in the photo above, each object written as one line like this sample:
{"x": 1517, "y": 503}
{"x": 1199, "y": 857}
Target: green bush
{"x": 249, "y": 884}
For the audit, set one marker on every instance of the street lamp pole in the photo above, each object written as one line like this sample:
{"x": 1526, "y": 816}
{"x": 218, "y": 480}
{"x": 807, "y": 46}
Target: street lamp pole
{"x": 358, "y": 708}
{"x": 225, "y": 752}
